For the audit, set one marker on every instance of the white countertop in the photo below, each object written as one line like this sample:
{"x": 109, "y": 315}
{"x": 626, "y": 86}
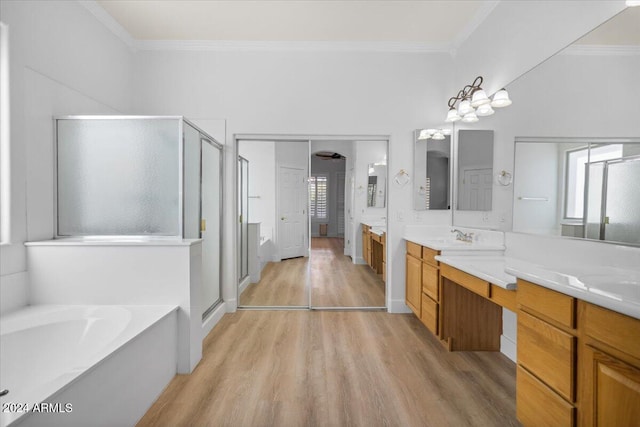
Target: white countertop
{"x": 115, "y": 241}
{"x": 378, "y": 230}
{"x": 449, "y": 243}
{"x": 489, "y": 268}
{"x": 613, "y": 288}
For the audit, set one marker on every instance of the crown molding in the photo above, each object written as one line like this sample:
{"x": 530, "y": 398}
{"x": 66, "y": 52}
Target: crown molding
{"x": 291, "y": 46}
{"x": 108, "y": 21}
{"x": 601, "y": 50}
{"x": 478, "y": 19}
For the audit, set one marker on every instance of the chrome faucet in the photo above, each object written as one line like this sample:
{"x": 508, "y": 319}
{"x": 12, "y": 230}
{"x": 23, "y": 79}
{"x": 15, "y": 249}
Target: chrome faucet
{"x": 464, "y": 237}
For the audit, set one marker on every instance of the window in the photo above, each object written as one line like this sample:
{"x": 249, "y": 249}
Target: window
{"x": 318, "y": 196}
{"x": 4, "y": 135}
{"x": 576, "y": 164}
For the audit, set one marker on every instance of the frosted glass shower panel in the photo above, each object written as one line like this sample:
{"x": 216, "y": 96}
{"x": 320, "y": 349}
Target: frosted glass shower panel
{"x": 118, "y": 177}
{"x": 622, "y": 221}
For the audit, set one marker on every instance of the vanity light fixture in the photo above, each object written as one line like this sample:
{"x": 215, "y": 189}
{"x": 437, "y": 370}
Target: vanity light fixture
{"x": 438, "y": 134}
{"x": 473, "y": 102}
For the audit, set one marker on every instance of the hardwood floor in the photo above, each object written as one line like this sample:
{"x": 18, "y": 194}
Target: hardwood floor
{"x": 334, "y": 280}
{"x": 337, "y": 282}
{"x": 281, "y": 284}
{"x": 320, "y": 368}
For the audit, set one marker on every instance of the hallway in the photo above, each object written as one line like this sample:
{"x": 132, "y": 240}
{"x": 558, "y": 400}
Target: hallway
{"x": 335, "y": 281}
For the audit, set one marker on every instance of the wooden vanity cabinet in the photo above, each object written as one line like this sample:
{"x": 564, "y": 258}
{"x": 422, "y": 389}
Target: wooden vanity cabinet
{"x": 609, "y": 385}
{"x": 422, "y": 285}
{"x": 546, "y": 374}
{"x": 366, "y": 244}
{"x": 413, "y": 283}
{"x": 578, "y": 363}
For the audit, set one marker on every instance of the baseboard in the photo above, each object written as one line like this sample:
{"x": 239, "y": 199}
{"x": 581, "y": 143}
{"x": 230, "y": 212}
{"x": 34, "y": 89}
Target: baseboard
{"x": 360, "y": 260}
{"x": 243, "y": 285}
{"x": 508, "y": 348}
{"x": 213, "y": 319}
{"x": 398, "y": 306}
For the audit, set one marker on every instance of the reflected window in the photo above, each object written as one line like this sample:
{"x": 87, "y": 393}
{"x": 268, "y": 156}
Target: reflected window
{"x": 576, "y": 161}
{"x": 318, "y": 196}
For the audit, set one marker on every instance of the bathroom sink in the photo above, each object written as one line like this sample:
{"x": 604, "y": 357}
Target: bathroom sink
{"x": 623, "y": 286}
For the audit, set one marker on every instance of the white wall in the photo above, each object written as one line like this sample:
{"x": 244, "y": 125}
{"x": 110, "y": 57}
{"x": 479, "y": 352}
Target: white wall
{"x": 62, "y": 61}
{"x": 519, "y": 35}
{"x": 314, "y": 93}
{"x": 262, "y": 184}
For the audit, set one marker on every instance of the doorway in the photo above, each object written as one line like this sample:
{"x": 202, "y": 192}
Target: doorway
{"x": 307, "y": 240}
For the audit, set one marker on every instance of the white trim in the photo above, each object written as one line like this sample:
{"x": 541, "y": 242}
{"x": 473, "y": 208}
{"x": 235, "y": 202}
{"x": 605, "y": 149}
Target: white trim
{"x": 480, "y": 16}
{"x": 398, "y": 306}
{"x": 212, "y": 319}
{"x": 601, "y": 50}
{"x": 292, "y": 46}
{"x": 508, "y": 347}
{"x": 109, "y": 21}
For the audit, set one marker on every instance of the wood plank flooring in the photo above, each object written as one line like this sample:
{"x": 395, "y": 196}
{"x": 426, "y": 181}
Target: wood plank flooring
{"x": 334, "y": 280}
{"x": 320, "y": 368}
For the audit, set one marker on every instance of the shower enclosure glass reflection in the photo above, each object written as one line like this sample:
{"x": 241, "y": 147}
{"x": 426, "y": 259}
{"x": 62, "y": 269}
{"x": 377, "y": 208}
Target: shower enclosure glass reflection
{"x": 141, "y": 177}
{"x": 243, "y": 221}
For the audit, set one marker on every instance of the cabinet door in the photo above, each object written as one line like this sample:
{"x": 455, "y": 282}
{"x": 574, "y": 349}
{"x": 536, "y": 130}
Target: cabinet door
{"x": 616, "y": 393}
{"x": 414, "y": 284}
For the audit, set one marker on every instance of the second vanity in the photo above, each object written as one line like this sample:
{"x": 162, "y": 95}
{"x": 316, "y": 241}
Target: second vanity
{"x": 578, "y": 327}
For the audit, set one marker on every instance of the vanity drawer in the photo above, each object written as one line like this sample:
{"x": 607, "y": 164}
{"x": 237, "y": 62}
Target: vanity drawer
{"x": 537, "y": 405}
{"x": 414, "y": 249}
{"x": 554, "y": 305}
{"x": 430, "y": 279}
{"x": 429, "y": 256}
{"x": 504, "y": 297}
{"x": 429, "y": 315}
{"x": 617, "y": 330}
{"x": 474, "y": 284}
{"x": 547, "y": 352}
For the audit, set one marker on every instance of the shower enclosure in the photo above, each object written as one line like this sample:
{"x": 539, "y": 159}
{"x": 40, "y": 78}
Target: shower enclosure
{"x": 243, "y": 221}
{"x": 141, "y": 178}
{"x": 613, "y": 200}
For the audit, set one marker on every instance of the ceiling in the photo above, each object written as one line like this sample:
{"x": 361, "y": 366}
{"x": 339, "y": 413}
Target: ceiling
{"x": 442, "y": 25}
{"x": 430, "y": 22}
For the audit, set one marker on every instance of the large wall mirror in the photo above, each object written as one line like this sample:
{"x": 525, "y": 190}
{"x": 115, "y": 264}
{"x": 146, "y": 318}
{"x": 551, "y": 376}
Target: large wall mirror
{"x": 570, "y": 140}
{"x": 475, "y": 170}
{"x": 377, "y": 184}
{"x": 432, "y": 168}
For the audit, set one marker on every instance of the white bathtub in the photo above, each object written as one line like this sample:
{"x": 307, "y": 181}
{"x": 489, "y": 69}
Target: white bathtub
{"x": 102, "y": 365}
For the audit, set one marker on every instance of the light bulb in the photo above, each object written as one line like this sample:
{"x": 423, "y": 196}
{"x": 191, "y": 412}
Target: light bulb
{"x": 438, "y": 136}
{"x": 465, "y": 108}
{"x": 479, "y": 98}
{"x": 452, "y": 116}
{"x": 446, "y": 131}
{"x": 470, "y": 118}
{"x": 501, "y": 99}
{"x": 484, "y": 110}
{"x": 424, "y": 134}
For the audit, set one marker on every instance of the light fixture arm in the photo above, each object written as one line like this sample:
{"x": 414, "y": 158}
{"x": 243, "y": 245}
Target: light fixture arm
{"x": 466, "y": 92}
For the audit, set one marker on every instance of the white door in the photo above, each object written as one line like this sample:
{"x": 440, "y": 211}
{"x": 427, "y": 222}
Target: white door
{"x": 477, "y": 186}
{"x": 292, "y": 212}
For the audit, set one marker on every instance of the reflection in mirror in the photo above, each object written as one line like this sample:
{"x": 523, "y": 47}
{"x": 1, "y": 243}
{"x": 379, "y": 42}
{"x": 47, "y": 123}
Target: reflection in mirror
{"x": 578, "y": 187}
{"x": 376, "y": 184}
{"x": 475, "y": 170}
{"x": 431, "y": 168}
